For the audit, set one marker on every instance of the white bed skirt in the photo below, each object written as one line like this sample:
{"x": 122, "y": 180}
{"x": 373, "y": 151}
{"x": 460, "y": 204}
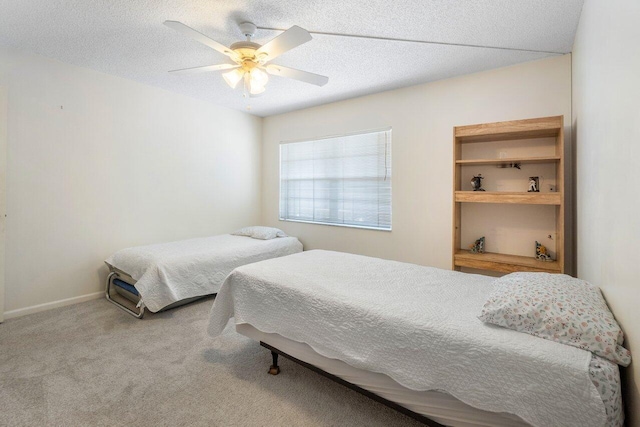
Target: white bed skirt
{"x": 440, "y": 407}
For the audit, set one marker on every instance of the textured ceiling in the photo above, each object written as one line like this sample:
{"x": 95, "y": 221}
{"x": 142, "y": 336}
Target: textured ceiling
{"x": 127, "y": 38}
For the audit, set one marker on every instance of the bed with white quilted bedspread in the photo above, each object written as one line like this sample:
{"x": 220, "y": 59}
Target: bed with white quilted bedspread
{"x": 170, "y": 272}
{"x": 419, "y": 326}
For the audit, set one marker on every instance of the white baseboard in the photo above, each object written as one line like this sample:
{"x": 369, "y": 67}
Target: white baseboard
{"x": 49, "y": 305}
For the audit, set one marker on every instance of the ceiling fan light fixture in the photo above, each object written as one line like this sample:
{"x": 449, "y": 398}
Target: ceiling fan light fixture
{"x": 256, "y": 89}
{"x": 259, "y": 77}
{"x": 233, "y": 77}
{"x": 257, "y": 80}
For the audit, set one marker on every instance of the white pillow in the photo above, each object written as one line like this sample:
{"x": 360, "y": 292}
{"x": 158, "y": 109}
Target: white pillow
{"x": 559, "y": 308}
{"x": 258, "y": 232}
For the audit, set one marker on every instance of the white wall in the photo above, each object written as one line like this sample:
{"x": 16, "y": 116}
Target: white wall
{"x": 422, "y": 118}
{"x": 97, "y": 163}
{"x": 606, "y": 106}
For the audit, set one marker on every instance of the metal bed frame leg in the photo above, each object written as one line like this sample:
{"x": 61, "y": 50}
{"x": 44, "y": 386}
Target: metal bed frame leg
{"x": 110, "y": 278}
{"x": 274, "y": 369}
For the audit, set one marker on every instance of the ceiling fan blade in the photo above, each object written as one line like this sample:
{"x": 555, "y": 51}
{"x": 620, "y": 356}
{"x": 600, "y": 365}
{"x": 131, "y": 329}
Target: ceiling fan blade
{"x": 204, "y": 69}
{"x": 293, "y": 37}
{"x": 198, "y": 36}
{"x": 292, "y": 73}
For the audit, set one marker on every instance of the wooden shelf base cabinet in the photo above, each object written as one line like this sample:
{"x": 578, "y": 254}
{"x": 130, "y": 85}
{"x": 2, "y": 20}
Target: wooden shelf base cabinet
{"x": 503, "y": 263}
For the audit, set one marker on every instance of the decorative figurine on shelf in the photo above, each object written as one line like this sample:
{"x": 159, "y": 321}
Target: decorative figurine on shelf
{"x": 510, "y": 165}
{"x": 534, "y": 184}
{"x": 541, "y": 252}
{"x": 478, "y": 246}
{"x": 476, "y": 183}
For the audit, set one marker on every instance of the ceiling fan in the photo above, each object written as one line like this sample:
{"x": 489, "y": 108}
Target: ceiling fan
{"x": 251, "y": 61}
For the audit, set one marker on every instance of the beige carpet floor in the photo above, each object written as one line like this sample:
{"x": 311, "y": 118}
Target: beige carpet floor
{"x": 90, "y": 364}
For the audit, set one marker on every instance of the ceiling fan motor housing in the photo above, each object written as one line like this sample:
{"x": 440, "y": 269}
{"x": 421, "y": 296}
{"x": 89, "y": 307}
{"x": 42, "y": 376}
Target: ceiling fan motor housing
{"x": 247, "y": 52}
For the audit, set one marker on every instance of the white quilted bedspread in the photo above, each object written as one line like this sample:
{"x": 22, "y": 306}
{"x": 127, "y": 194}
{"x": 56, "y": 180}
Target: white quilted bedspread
{"x": 171, "y": 272}
{"x": 417, "y": 325}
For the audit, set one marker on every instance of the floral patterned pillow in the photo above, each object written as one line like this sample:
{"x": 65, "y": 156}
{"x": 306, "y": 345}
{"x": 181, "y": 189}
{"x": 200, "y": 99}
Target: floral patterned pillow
{"x": 559, "y": 308}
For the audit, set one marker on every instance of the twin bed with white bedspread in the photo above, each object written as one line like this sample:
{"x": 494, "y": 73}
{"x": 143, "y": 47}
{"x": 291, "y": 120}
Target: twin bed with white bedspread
{"x": 168, "y": 273}
{"x": 417, "y": 329}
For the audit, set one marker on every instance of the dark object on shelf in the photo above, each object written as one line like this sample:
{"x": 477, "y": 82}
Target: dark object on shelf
{"x": 510, "y": 165}
{"x": 478, "y": 246}
{"x": 476, "y": 183}
{"x": 541, "y": 252}
{"x": 534, "y": 184}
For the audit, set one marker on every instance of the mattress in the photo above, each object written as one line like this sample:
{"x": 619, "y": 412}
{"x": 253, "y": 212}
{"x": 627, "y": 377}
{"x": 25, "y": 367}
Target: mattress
{"x": 170, "y": 272}
{"x": 126, "y": 286}
{"x": 418, "y": 326}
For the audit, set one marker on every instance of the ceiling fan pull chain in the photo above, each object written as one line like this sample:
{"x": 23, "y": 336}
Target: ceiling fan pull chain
{"x": 247, "y": 85}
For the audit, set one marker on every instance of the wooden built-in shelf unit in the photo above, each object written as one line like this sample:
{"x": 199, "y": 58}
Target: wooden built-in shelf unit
{"x": 530, "y": 130}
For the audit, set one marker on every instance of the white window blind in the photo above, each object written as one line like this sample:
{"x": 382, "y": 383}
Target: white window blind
{"x": 343, "y": 180}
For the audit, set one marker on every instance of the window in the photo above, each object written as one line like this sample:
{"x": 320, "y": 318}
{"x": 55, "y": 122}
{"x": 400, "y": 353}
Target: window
{"x": 343, "y": 180}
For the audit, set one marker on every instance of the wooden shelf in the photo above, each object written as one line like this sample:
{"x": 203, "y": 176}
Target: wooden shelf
{"x": 544, "y": 127}
{"x": 523, "y": 160}
{"x": 498, "y": 136}
{"x": 508, "y": 197}
{"x": 503, "y": 263}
